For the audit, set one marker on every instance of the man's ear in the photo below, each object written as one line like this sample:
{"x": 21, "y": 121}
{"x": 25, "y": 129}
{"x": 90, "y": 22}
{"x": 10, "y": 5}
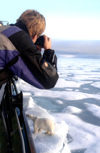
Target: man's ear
{"x": 34, "y": 38}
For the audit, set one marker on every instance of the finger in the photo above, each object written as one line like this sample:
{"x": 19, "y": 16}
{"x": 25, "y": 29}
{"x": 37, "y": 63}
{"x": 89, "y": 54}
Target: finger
{"x": 48, "y": 38}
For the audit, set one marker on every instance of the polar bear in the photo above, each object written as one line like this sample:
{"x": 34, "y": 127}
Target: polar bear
{"x": 41, "y": 124}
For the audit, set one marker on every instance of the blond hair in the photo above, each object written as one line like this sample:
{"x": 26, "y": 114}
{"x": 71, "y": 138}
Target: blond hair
{"x": 34, "y": 21}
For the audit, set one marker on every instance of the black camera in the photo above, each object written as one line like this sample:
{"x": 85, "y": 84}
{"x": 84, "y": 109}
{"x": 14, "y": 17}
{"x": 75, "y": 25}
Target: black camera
{"x": 40, "y": 41}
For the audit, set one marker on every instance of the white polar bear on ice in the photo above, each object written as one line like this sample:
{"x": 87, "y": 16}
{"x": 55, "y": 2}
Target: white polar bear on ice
{"x": 41, "y": 124}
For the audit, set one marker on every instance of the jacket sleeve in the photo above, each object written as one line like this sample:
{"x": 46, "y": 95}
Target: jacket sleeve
{"x": 43, "y": 67}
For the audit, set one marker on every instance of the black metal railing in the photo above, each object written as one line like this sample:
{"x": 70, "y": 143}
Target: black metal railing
{"x": 16, "y": 129}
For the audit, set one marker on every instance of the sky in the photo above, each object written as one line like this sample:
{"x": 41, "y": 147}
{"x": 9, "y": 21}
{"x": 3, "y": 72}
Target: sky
{"x": 65, "y": 19}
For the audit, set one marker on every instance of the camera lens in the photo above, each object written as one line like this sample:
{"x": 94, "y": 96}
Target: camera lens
{"x": 40, "y": 41}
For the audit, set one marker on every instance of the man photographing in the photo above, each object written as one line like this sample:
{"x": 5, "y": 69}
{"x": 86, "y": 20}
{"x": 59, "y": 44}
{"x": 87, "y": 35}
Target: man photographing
{"x": 18, "y": 40}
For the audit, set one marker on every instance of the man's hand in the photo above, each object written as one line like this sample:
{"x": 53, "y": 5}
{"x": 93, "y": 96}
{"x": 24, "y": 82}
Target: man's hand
{"x": 47, "y": 42}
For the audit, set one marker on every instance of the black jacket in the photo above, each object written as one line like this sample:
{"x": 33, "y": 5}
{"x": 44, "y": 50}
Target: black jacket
{"x": 43, "y": 67}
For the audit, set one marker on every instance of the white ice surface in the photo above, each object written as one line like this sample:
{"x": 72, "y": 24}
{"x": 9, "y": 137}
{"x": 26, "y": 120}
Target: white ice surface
{"x": 94, "y": 109}
{"x": 44, "y": 143}
{"x": 94, "y": 148}
{"x": 83, "y": 135}
{"x": 96, "y": 84}
{"x": 69, "y": 95}
{"x": 82, "y": 117}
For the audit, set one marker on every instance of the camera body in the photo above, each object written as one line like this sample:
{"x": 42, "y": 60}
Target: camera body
{"x": 40, "y": 41}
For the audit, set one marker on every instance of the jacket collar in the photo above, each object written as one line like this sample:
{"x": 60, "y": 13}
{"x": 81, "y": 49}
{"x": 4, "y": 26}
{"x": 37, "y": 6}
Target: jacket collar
{"x": 22, "y": 26}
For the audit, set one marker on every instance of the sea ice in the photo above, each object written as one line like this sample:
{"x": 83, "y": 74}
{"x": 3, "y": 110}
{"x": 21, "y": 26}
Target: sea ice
{"x": 43, "y": 142}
